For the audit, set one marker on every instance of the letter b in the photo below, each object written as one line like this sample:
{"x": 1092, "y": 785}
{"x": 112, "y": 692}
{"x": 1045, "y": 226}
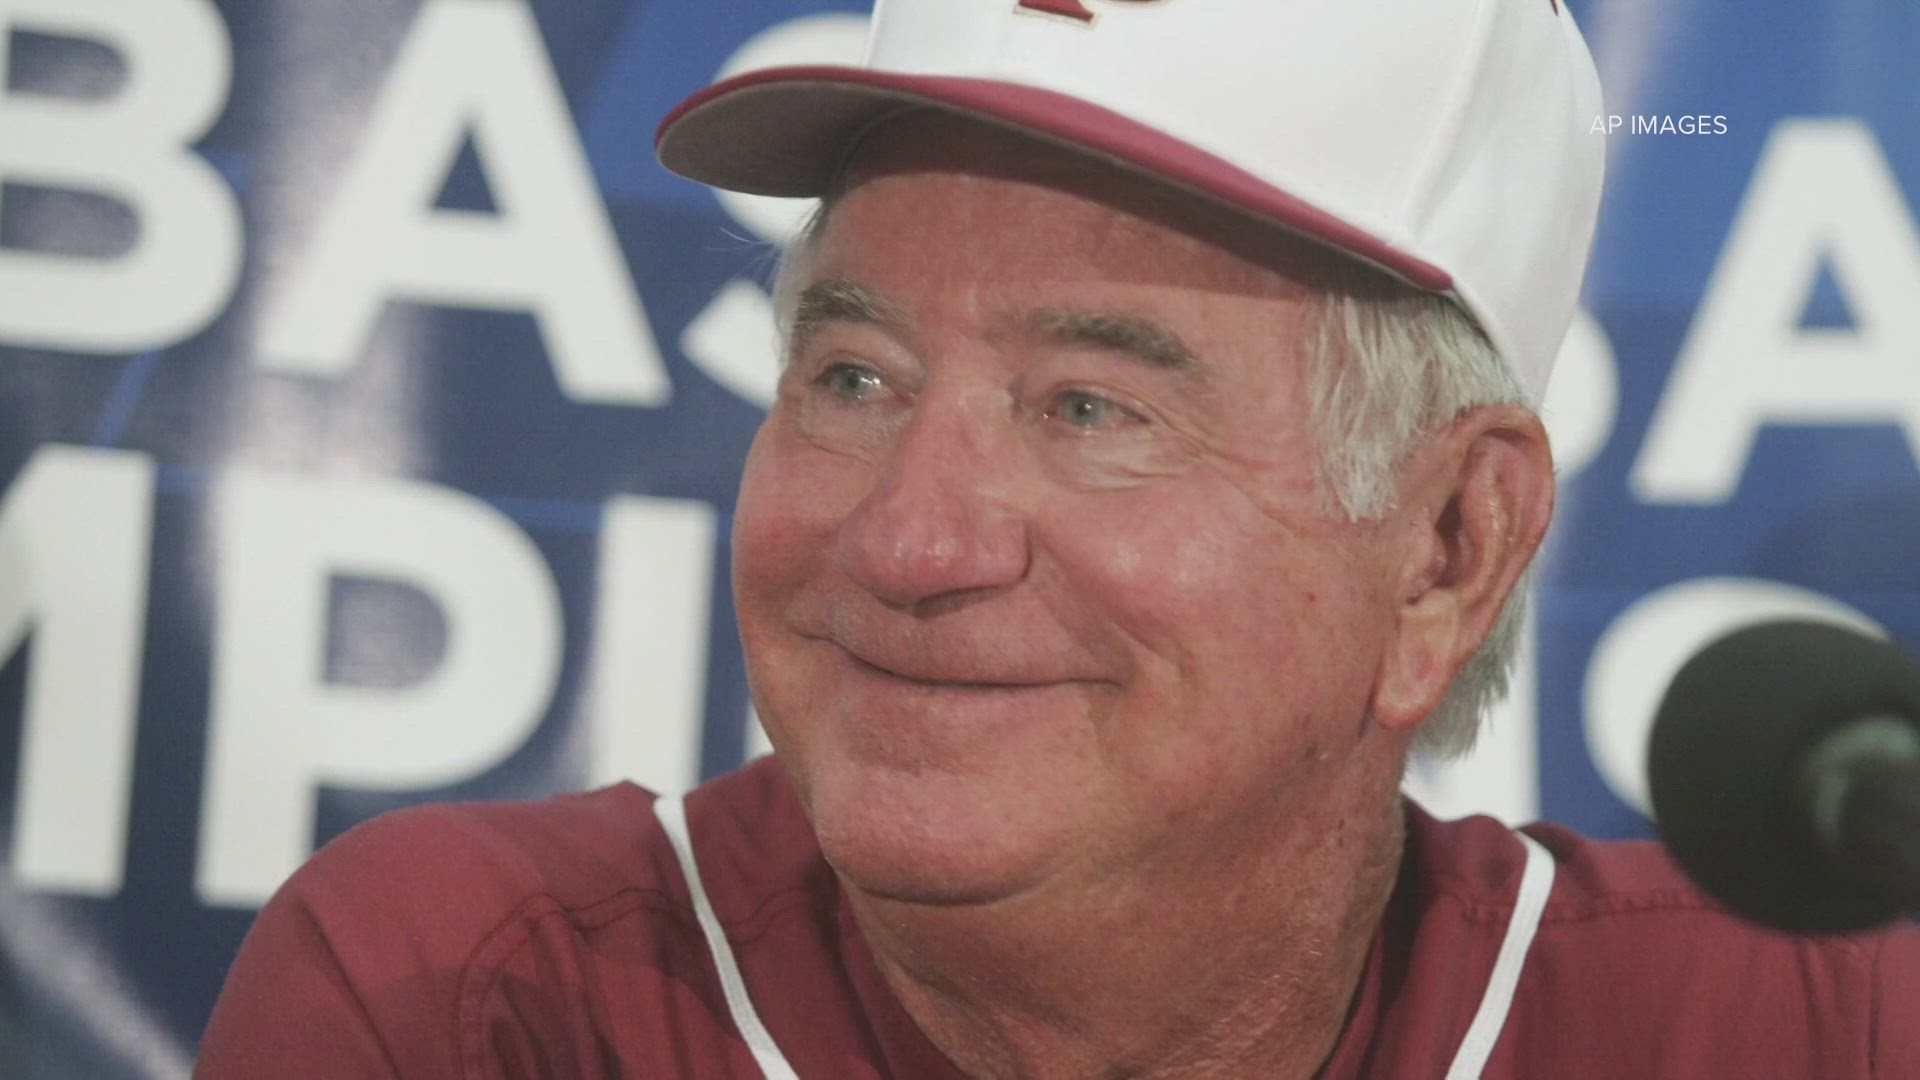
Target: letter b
{"x": 133, "y": 147}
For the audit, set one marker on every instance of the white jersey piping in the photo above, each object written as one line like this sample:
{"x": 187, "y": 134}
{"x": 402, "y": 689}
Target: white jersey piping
{"x": 773, "y": 1064}
{"x": 1536, "y": 884}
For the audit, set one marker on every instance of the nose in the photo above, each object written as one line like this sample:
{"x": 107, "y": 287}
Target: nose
{"x": 939, "y": 520}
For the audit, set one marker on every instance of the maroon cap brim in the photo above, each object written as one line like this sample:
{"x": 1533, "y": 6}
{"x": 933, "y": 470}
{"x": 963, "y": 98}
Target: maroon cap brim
{"x": 788, "y": 131}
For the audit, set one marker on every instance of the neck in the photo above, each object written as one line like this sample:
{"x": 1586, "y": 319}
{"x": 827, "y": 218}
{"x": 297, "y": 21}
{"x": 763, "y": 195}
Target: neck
{"x": 1243, "y": 967}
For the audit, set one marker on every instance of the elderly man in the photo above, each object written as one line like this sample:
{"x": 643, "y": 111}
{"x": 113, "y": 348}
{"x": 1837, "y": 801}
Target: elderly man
{"x": 1153, "y": 466}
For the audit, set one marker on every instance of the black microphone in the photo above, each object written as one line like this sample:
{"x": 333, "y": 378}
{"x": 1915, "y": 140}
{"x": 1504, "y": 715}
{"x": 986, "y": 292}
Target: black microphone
{"x": 1785, "y": 774}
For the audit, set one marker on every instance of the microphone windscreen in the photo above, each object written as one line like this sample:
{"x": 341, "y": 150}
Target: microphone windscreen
{"x": 1727, "y": 761}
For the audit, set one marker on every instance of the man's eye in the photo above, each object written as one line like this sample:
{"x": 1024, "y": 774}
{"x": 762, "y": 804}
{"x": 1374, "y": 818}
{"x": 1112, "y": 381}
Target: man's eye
{"x": 850, "y": 382}
{"x": 1085, "y": 410}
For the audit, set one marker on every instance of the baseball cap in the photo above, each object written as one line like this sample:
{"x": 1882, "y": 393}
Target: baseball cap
{"x": 1449, "y": 143}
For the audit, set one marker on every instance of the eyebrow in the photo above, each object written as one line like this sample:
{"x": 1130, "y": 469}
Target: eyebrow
{"x": 1130, "y": 335}
{"x": 839, "y": 301}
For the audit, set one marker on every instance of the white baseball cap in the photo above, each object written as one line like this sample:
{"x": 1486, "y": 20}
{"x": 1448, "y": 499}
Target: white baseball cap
{"x": 1450, "y": 143}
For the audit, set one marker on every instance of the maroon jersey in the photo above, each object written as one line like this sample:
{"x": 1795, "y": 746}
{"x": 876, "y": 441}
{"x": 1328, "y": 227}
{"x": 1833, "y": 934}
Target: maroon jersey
{"x": 565, "y": 938}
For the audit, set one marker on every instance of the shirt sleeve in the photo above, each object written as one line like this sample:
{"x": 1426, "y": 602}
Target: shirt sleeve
{"x": 289, "y": 1009}
{"x": 355, "y": 968}
{"x": 1896, "y": 1022}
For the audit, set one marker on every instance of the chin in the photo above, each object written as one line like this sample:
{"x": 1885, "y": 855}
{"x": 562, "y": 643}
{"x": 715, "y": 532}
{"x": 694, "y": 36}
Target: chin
{"x": 932, "y": 839}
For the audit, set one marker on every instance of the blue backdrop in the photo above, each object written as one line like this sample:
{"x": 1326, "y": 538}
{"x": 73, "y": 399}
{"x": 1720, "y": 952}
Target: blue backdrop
{"x": 371, "y": 407}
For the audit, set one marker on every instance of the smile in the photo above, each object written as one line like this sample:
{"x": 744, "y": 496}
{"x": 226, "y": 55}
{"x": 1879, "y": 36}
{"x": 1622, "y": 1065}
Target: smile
{"x": 949, "y": 679}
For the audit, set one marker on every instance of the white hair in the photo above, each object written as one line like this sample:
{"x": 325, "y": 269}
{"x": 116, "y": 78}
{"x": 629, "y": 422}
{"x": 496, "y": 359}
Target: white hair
{"x": 1390, "y": 366}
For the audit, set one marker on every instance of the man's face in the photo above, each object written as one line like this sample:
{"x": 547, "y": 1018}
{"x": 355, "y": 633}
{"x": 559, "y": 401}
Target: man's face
{"x": 1032, "y": 571}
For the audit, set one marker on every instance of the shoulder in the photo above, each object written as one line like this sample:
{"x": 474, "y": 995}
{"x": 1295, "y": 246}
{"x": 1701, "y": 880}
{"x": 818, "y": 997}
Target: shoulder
{"x": 432, "y": 937}
{"x": 488, "y": 857}
{"x": 1634, "y": 966}
{"x": 1604, "y": 889}
{"x": 474, "y": 863}
{"x": 1478, "y": 862}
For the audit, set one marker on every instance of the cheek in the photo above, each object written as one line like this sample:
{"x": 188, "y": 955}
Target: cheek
{"x": 1254, "y": 663}
{"x": 790, "y": 502}
{"x": 1178, "y": 578}
{"x": 1234, "y": 616}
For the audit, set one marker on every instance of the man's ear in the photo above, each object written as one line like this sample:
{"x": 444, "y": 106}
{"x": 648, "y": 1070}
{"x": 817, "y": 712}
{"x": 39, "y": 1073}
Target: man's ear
{"x": 1475, "y": 502}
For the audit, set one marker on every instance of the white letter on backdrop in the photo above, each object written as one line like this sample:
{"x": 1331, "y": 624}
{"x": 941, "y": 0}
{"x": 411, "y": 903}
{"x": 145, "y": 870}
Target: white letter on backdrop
{"x": 650, "y": 649}
{"x": 1822, "y": 190}
{"x": 474, "y": 67}
{"x": 74, "y": 534}
{"x": 279, "y": 731}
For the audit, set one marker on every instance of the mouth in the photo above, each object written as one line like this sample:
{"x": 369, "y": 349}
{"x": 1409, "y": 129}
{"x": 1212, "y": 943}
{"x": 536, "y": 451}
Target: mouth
{"x": 955, "y": 708}
{"x": 950, "y": 678}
